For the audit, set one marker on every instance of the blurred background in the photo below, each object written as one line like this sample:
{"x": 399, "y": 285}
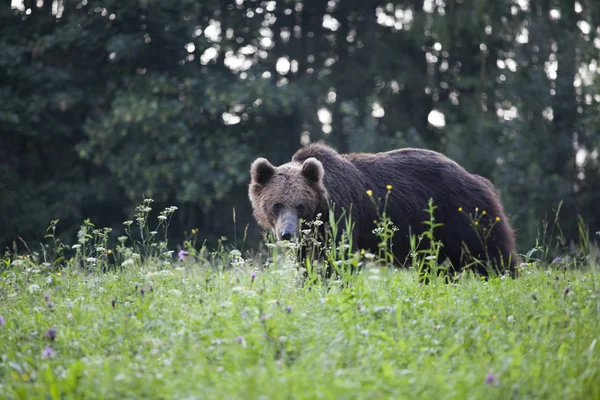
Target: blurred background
{"x": 105, "y": 102}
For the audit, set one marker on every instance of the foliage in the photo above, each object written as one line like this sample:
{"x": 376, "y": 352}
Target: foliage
{"x": 91, "y": 321}
{"x": 104, "y": 103}
{"x": 202, "y": 330}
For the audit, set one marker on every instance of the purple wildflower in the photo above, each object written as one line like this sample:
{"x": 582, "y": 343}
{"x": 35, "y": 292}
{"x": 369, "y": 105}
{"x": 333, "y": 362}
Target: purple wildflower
{"x": 142, "y": 291}
{"x": 47, "y": 352}
{"x": 182, "y": 254}
{"x": 2, "y": 321}
{"x": 490, "y": 379}
{"x": 253, "y": 276}
{"x": 263, "y": 318}
{"x": 556, "y": 260}
{"x": 567, "y": 290}
{"x": 46, "y": 296}
{"x": 136, "y": 285}
{"x": 240, "y": 339}
{"x": 288, "y": 309}
{"x": 50, "y": 303}
{"x": 50, "y": 334}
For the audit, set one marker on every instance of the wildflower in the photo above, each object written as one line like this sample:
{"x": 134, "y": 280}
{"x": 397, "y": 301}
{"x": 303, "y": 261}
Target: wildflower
{"x": 50, "y": 304}
{"x": 459, "y": 209}
{"x": 136, "y": 285}
{"x": 497, "y": 219}
{"x": 50, "y": 334}
{"x": 493, "y": 317}
{"x": 162, "y": 217}
{"x": 567, "y": 290}
{"x": 288, "y": 309}
{"x": 490, "y": 379}
{"x": 109, "y": 252}
{"x": 46, "y": 296}
{"x": 389, "y": 187}
{"x": 59, "y": 274}
{"x": 142, "y": 291}
{"x": 483, "y": 212}
{"x": 194, "y": 231}
{"x": 47, "y": 352}
{"x": 182, "y": 254}
{"x": 556, "y": 260}
{"x": 369, "y": 193}
{"x": 2, "y": 321}
{"x": 476, "y": 223}
{"x": 253, "y": 276}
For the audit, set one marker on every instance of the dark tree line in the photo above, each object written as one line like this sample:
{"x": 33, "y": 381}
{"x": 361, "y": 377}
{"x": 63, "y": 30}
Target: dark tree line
{"x": 104, "y": 102}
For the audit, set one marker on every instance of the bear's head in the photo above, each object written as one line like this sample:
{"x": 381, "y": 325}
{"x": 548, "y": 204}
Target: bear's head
{"x": 282, "y": 196}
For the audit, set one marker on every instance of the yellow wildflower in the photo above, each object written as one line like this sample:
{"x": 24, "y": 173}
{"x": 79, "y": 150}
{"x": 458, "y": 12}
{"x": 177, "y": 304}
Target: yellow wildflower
{"x": 459, "y": 209}
{"x": 362, "y": 252}
{"x": 476, "y": 223}
{"x": 497, "y": 219}
{"x": 483, "y": 212}
{"x": 59, "y": 274}
{"x": 194, "y": 231}
{"x": 109, "y": 252}
{"x": 369, "y": 193}
{"x": 389, "y": 187}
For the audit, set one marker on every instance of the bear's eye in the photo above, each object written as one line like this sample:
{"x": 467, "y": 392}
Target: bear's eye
{"x": 277, "y": 207}
{"x": 300, "y": 209}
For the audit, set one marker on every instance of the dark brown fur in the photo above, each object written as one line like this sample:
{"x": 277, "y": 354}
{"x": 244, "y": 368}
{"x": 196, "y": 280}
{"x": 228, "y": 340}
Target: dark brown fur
{"x": 415, "y": 175}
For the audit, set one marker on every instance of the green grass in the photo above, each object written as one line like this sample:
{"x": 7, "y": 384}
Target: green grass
{"x": 201, "y": 333}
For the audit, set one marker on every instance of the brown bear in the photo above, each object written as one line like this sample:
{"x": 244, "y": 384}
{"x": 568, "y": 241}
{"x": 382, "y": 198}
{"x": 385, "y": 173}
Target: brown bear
{"x": 318, "y": 176}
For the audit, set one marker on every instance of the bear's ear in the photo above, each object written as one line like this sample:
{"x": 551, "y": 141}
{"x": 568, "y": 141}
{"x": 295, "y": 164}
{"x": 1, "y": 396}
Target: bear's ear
{"x": 312, "y": 169}
{"x": 261, "y": 171}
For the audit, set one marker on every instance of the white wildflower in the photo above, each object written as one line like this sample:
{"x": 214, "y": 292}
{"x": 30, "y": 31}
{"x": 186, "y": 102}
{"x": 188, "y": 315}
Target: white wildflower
{"x": 34, "y": 288}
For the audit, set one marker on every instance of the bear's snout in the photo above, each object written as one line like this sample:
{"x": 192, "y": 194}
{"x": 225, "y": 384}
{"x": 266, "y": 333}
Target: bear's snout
{"x": 286, "y": 227}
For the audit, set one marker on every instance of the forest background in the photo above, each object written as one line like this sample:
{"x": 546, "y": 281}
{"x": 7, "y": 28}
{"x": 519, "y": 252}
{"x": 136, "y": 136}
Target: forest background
{"x": 103, "y": 103}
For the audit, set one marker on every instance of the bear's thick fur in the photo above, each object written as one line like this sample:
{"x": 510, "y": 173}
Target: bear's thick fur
{"x": 300, "y": 189}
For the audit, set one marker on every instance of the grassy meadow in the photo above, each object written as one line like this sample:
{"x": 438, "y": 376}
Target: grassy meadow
{"x": 216, "y": 324}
